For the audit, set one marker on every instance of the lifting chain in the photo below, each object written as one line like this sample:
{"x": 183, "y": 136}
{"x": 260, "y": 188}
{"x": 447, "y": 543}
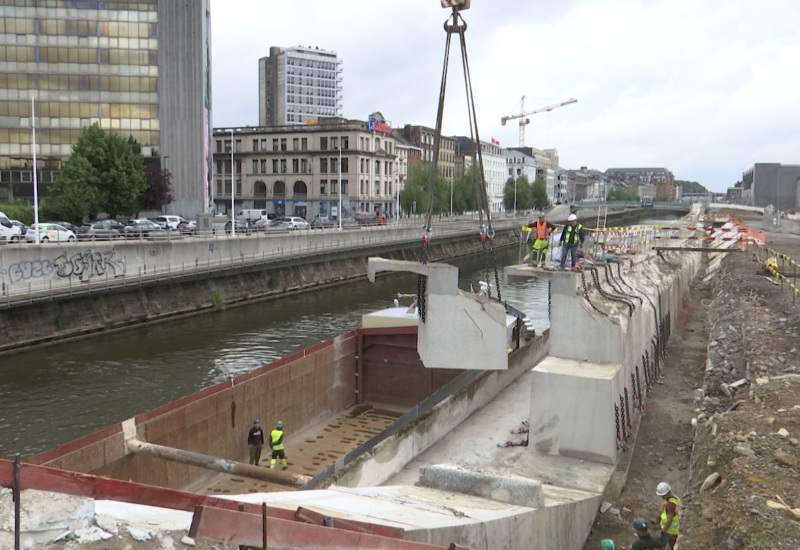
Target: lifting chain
{"x": 549, "y": 299}
{"x": 619, "y": 435}
{"x": 618, "y": 287}
{"x": 648, "y": 373}
{"x": 639, "y": 391}
{"x": 621, "y": 426}
{"x": 628, "y": 413}
{"x": 586, "y": 292}
{"x": 608, "y": 296}
{"x": 635, "y": 391}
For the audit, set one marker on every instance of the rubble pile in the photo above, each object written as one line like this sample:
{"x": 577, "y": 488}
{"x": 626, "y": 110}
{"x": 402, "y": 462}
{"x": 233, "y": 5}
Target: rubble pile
{"x": 744, "y": 486}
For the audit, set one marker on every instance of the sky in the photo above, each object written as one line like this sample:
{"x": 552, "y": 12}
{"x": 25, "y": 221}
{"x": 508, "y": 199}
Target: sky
{"x": 705, "y": 88}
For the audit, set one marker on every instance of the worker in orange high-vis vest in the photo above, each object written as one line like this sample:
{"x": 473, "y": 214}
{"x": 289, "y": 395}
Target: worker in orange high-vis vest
{"x": 541, "y": 231}
{"x": 669, "y": 515}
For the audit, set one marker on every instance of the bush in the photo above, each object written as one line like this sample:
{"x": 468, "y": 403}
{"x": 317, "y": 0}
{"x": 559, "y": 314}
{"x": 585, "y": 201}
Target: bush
{"x": 18, "y": 211}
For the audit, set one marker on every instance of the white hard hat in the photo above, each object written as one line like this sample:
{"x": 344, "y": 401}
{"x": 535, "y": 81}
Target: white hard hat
{"x": 663, "y": 488}
{"x": 572, "y": 218}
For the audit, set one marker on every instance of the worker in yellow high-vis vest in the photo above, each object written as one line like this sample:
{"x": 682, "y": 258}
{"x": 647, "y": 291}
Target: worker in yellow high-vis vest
{"x": 276, "y": 444}
{"x": 669, "y": 515}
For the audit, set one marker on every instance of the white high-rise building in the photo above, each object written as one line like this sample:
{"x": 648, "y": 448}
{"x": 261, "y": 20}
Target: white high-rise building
{"x": 297, "y": 85}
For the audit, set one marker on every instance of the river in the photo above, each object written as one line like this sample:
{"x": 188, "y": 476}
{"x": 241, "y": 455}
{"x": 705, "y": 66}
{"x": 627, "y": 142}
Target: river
{"x": 51, "y": 395}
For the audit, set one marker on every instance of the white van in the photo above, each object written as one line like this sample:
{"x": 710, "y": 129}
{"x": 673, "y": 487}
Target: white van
{"x": 8, "y": 231}
{"x": 252, "y": 215}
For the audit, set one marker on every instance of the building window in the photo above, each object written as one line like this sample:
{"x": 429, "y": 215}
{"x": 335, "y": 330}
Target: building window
{"x": 263, "y": 145}
{"x": 345, "y": 142}
{"x": 345, "y": 165}
{"x": 334, "y": 163}
{"x": 361, "y": 143}
{"x": 323, "y": 143}
{"x": 219, "y": 146}
{"x": 283, "y": 166}
{"x": 344, "y": 187}
{"x": 334, "y": 143}
{"x": 295, "y": 144}
{"x": 377, "y": 168}
{"x": 377, "y": 188}
{"x": 255, "y": 145}
{"x": 255, "y": 166}
{"x": 274, "y": 166}
{"x": 274, "y": 144}
{"x": 238, "y": 187}
{"x": 323, "y": 166}
{"x": 219, "y": 187}
{"x": 323, "y": 184}
{"x": 295, "y": 166}
{"x": 304, "y": 166}
{"x": 263, "y": 166}
{"x": 304, "y": 144}
{"x": 362, "y": 189}
{"x": 283, "y": 144}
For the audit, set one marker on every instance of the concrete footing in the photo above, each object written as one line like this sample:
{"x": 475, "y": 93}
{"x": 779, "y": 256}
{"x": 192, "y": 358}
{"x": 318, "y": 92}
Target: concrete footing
{"x": 497, "y": 486}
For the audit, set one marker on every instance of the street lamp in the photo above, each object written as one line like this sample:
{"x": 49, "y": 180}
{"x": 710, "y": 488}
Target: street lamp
{"x": 340, "y": 184}
{"x": 515, "y": 196}
{"x": 233, "y": 190}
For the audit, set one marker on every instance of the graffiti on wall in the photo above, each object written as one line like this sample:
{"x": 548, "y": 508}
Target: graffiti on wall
{"x": 84, "y": 266}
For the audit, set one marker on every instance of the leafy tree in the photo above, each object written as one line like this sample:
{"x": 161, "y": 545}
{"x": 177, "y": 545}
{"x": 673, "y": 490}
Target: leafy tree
{"x": 521, "y": 189}
{"x": 465, "y": 189}
{"x": 539, "y": 194}
{"x": 691, "y": 186}
{"x": 158, "y": 192}
{"x": 620, "y": 194}
{"x": 75, "y": 194}
{"x": 18, "y": 210}
{"x": 415, "y": 190}
{"x": 107, "y": 176}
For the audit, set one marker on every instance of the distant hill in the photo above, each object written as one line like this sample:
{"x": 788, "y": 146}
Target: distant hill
{"x": 691, "y": 186}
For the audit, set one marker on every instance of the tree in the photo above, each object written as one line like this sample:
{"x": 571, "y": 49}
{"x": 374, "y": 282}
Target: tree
{"x": 75, "y": 194}
{"x": 465, "y": 189}
{"x": 518, "y": 190}
{"x": 691, "y": 186}
{"x": 539, "y": 194}
{"x": 108, "y": 176}
{"x": 158, "y": 192}
{"x": 620, "y": 194}
{"x": 414, "y": 196}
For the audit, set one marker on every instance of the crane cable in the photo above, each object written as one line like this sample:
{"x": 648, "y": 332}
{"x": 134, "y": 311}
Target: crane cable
{"x": 487, "y": 231}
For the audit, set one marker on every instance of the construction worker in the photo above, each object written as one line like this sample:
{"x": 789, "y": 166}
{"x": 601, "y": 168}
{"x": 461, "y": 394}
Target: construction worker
{"x": 607, "y": 544}
{"x": 669, "y": 515}
{"x": 646, "y": 541}
{"x": 542, "y": 229}
{"x": 276, "y": 444}
{"x": 571, "y": 239}
{"x": 255, "y": 439}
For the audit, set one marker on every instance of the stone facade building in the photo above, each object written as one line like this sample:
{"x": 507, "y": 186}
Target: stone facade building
{"x": 295, "y": 170}
{"x": 422, "y": 137}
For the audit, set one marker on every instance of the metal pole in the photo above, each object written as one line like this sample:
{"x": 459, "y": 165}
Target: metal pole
{"x": 233, "y": 190}
{"x": 264, "y": 524}
{"x": 340, "y": 184}
{"x": 16, "y": 496}
{"x": 35, "y": 181}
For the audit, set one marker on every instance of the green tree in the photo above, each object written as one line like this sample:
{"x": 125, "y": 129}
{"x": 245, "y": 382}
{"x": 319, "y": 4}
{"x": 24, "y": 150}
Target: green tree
{"x": 465, "y": 190}
{"x": 691, "y": 186}
{"x": 518, "y": 189}
{"x": 539, "y": 194}
{"x": 110, "y": 166}
{"x": 620, "y": 194}
{"x": 75, "y": 194}
{"x": 415, "y": 190}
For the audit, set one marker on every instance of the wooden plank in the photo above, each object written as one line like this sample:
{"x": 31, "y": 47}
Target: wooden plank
{"x": 245, "y": 529}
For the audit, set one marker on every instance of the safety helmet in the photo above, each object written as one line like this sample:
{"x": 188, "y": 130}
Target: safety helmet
{"x": 640, "y": 524}
{"x": 256, "y": 421}
{"x": 663, "y": 488}
{"x": 541, "y": 215}
{"x": 280, "y": 424}
{"x": 572, "y": 218}
{"x": 608, "y": 544}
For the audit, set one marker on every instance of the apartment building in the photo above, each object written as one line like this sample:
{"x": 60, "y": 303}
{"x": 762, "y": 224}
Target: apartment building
{"x": 663, "y": 179}
{"x": 423, "y": 137}
{"x": 494, "y": 167}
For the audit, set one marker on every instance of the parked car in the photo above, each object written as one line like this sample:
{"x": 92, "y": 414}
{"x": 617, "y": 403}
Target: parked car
{"x": 68, "y": 226}
{"x": 8, "y": 231}
{"x": 119, "y": 226}
{"x": 350, "y": 223}
{"x": 295, "y": 222}
{"x": 241, "y": 227}
{"x": 365, "y": 218}
{"x": 21, "y": 226}
{"x": 263, "y": 224}
{"x": 170, "y": 223}
{"x": 48, "y": 232}
{"x": 143, "y": 228}
{"x": 101, "y": 230}
{"x": 322, "y": 222}
{"x": 188, "y": 227}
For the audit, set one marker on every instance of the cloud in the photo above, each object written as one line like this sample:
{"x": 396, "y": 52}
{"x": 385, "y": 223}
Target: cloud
{"x": 705, "y": 89}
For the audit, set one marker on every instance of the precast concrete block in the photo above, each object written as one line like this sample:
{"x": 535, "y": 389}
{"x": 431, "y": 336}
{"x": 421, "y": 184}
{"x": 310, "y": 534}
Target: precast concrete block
{"x": 511, "y": 489}
{"x": 572, "y": 409}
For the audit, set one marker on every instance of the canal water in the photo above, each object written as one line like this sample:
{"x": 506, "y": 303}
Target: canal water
{"x": 53, "y": 394}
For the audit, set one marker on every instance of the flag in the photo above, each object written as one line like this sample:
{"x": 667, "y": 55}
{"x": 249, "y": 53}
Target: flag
{"x": 495, "y": 141}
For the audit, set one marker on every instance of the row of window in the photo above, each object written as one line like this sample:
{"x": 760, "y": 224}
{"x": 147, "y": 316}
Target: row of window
{"x": 315, "y": 82}
{"x": 141, "y": 5}
{"x": 297, "y": 62}
{"x": 57, "y": 109}
{"x": 83, "y": 83}
{"x": 303, "y": 112}
{"x": 305, "y": 90}
{"x": 82, "y": 28}
{"x": 17, "y": 176}
{"x": 69, "y": 136}
{"x": 106, "y": 56}
{"x": 326, "y": 143}
{"x": 279, "y": 188}
{"x": 292, "y": 100}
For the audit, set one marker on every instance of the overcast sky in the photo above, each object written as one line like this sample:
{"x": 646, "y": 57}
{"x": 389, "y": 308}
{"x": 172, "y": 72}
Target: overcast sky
{"x": 705, "y": 88}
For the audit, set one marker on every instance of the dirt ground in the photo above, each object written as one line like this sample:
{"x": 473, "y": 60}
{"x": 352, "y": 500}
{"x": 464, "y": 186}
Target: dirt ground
{"x": 732, "y": 364}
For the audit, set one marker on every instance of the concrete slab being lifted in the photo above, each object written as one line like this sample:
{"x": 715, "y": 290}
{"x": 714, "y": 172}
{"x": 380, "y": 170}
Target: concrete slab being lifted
{"x": 461, "y": 330}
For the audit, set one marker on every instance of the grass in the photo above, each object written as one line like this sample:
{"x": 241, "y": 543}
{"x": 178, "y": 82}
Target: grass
{"x": 218, "y": 300}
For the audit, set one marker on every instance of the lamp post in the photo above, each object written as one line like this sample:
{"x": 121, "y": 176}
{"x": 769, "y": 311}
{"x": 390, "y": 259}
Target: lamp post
{"x": 340, "y": 185}
{"x": 35, "y": 181}
{"x": 233, "y": 190}
{"x": 515, "y": 196}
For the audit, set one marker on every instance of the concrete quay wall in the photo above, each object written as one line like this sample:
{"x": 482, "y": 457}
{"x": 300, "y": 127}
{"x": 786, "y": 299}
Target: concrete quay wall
{"x": 170, "y": 297}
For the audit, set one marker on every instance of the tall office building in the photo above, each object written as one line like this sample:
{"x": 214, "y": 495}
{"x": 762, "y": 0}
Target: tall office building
{"x": 139, "y": 68}
{"x": 298, "y": 85}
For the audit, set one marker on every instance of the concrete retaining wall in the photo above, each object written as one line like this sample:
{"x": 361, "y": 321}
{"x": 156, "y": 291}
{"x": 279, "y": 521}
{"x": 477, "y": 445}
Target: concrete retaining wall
{"x": 578, "y": 393}
{"x": 168, "y": 298}
{"x": 301, "y": 390}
